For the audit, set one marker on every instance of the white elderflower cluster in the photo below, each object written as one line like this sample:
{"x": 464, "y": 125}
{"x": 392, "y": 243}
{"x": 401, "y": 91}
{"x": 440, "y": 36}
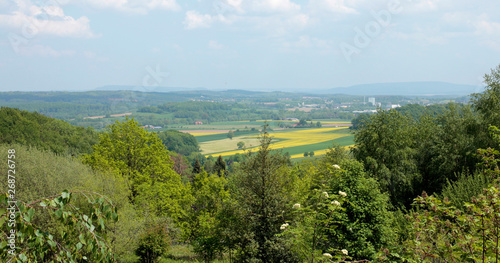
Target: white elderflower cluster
{"x": 335, "y": 202}
{"x": 345, "y": 252}
{"x": 336, "y": 166}
{"x": 296, "y": 206}
{"x": 328, "y": 255}
{"x": 283, "y": 227}
{"x": 325, "y": 194}
{"x": 342, "y": 194}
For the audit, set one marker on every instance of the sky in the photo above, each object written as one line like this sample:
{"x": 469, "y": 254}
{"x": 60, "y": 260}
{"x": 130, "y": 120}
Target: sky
{"x": 267, "y": 45}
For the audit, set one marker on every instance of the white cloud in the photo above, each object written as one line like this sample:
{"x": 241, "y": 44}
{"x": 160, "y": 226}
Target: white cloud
{"x": 212, "y": 44}
{"x": 485, "y": 27}
{"x": 32, "y": 20}
{"x": 334, "y": 6}
{"x": 228, "y": 6}
{"x": 431, "y": 5}
{"x": 255, "y": 6}
{"x": 488, "y": 32}
{"x": 194, "y": 20}
{"x": 44, "y": 51}
{"x": 338, "y": 6}
{"x": 131, "y": 6}
{"x": 164, "y": 4}
{"x": 274, "y": 6}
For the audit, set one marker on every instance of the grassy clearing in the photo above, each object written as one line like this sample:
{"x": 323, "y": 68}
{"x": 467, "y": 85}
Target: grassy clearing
{"x": 224, "y": 145}
{"x": 184, "y": 254}
{"x": 222, "y": 136}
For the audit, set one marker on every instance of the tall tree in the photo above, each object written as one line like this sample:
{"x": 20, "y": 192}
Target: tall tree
{"x": 197, "y": 167}
{"x": 140, "y": 157}
{"x": 263, "y": 191}
{"x": 386, "y": 145}
{"x": 488, "y": 102}
{"x": 220, "y": 166}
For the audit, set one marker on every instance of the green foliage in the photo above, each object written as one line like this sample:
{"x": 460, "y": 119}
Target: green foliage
{"x": 387, "y": 147}
{"x": 83, "y": 234}
{"x": 230, "y": 135}
{"x": 220, "y": 166}
{"x": 470, "y": 233}
{"x": 359, "y": 121}
{"x": 240, "y": 145}
{"x": 263, "y": 193}
{"x": 453, "y": 146}
{"x": 441, "y": 231}
{"x": 45, "y": 133}
{"x": 202, "y": 227}
{"x": 140, "y": 158}
{"x": 361, "y": 222}
{"x": 417, "y": 111}
{"x": 308, "y": 234}
{"x": 365, "y": 224}
{"x": 154, "y": 242}
{"x": 197, "y": 167}
{"x": 487, "y": 103}
{"x": 179, "y": 142}
{"x": 465, "y": 188}
{"x": 47, "y": 174}
{"x": 408, "y": 156}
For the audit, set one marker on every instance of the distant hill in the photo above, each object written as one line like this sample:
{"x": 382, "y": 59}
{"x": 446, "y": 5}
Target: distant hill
{"x": 424, "y": 88}
{"x": 146, "y": 89}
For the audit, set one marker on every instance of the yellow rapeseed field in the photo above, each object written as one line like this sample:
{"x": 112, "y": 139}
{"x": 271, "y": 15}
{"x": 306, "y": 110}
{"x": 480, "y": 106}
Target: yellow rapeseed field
{"x": 299, "y": 138}
{"x": 320, "y": 152}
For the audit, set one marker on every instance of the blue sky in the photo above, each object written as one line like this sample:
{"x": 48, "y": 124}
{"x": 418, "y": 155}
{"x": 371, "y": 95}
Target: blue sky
{"x": 244, "y": 44}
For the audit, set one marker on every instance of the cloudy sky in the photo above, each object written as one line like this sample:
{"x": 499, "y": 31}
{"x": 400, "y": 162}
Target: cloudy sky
{"x": 244, "y": 44}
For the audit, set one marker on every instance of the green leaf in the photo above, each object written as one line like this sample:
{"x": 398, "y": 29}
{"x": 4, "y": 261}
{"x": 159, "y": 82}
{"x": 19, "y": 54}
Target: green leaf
{"x": 43, "y": 204}
{"x": 65, "y": 194}
{"x": 82, "y": 239}
{"x": 51, "y": 243}
{"x": 101, "y": 223}
{"x": 31, "y": 212}
{"x": 115, "y": 217}
{"x": 58, "y": 213}
{"x": 23, "y": 257}
{"x": 79, "y": 246}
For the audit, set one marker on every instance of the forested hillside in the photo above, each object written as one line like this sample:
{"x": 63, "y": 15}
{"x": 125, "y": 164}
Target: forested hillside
{"x": 33, "y": 129}
{"x": 421, "y": 184}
